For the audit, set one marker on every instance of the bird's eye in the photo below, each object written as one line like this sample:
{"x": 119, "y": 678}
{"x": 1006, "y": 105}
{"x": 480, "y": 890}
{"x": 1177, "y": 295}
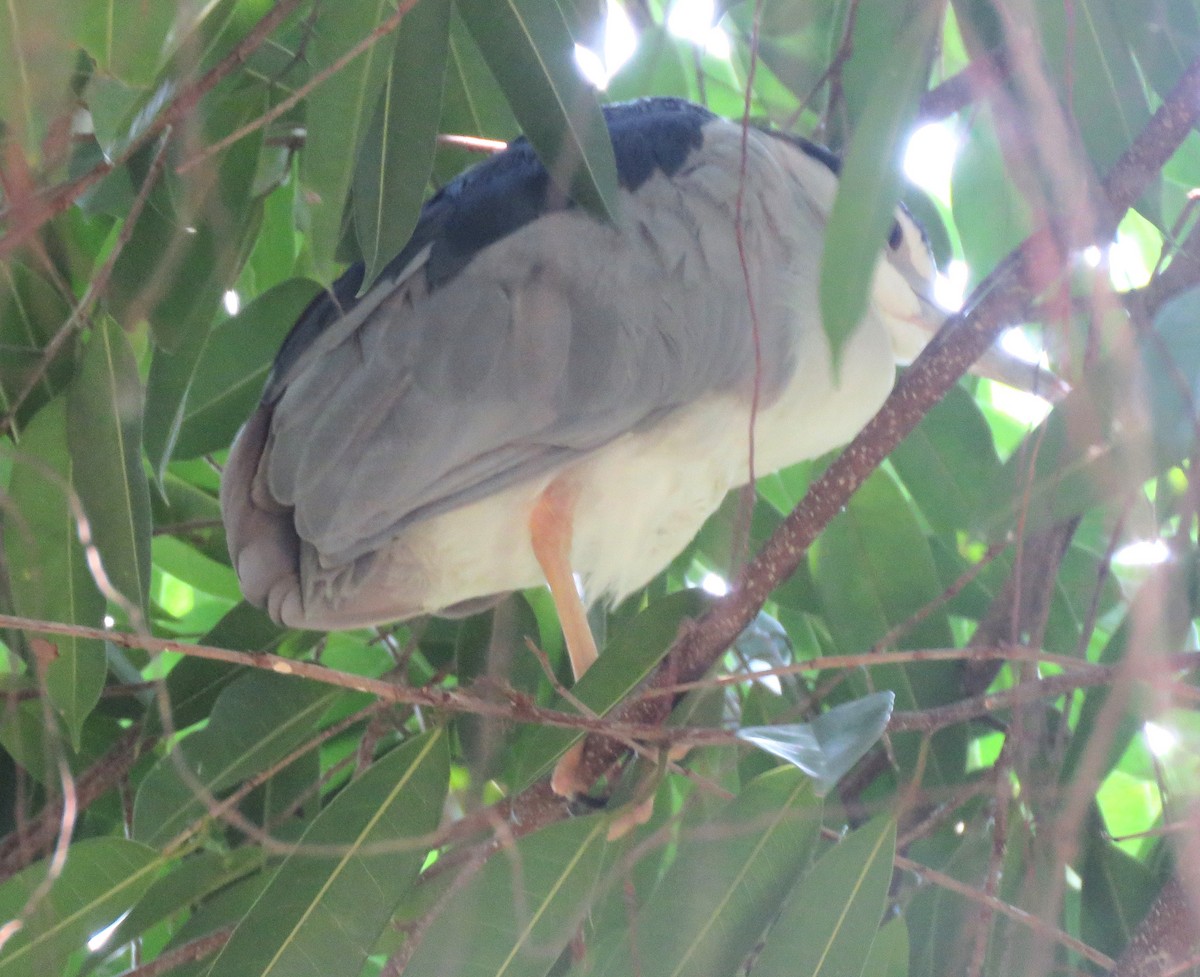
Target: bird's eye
{"x": 896, "y": 236}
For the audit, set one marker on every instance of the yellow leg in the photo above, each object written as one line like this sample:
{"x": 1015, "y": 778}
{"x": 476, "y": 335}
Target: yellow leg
{"x": 550, "y": 528}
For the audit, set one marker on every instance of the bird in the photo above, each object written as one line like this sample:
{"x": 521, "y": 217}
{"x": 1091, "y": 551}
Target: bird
{"x": 529, "y": 394}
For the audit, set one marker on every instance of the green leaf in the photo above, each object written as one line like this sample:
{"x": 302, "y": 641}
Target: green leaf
{"x": 869, "y": 189}
{"x": 197, "y": 877}
{"x": 531, "y": 899}
{"x": 104, "y": 433}
{"x": 828, "y": 747}
{"x": 854, "y": 568}
{"x": 948, "y": 461}
{"x": 339, "y": 112}
{"x": 1116, "y": 891}
{"x": 128, "y": 40}
{"x": 32, "y": 311}
{"x": 830, "y": 921}
{"x": 37, "y": 60}
{"x": 322, "y": 913}
{"x": 396, "y": 156}
{"x": 230, "y": 373}
{"x": 711, "y": 907}
{"x": 530, "y": 51}
{"x": 1117, "y": 428}
{"x": 101, "y": 879}
{"x": 259, "y": 719}
{"x": 47, "y": 568}
{"x": 628, "y": 658}
{"x": 1092, "y": 68}
{"x": 889, "y": 951}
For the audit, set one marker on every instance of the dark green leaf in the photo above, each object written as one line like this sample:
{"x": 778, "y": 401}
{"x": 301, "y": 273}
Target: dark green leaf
{"x": 49, "y": 576}
{"x": 530, "y": 51}
{"x": 533, "y": 898}
{"x": 259, "y": 719}
{"x": 870, "y": 182}
{"x": 339, "y": 112}
{"x": 1116, "y": 891}
{"x": 101, "y": 879}
{"x": 323, "y": 911}
{"x": 829, "y": 922}
{"x": 713, "y": 904}
{"x": 104, "y": 414}
{"x": 32, "y": 311}
{"x": 396, "y": 156}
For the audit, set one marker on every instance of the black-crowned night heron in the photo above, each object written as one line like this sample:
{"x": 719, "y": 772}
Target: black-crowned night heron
{"x": 528, "y": 392}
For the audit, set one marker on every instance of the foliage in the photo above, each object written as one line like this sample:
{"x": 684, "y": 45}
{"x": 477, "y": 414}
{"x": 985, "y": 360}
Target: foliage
{"x": 179, "y": 179}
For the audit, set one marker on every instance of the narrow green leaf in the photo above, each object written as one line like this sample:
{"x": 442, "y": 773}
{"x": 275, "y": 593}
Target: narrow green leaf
{"x": 871, "y": 175}
{"x": 396, "y": 156}
{"x": 104, "y": 433}
{"x": 229, "y": 374}
{"x": 339, "y": 112}
{"x": 256, "y": 721}
{"x": 47, "y": 568}
{"x": 531, "y": 898}
{"x": 323, "y": 911}
{"x": 830, "y": 920}
{"x": 101, "y": 879}
{"x": 530, "y": 51}
{"x": 711, "y": 907}
{"x": 628, "y": 658}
